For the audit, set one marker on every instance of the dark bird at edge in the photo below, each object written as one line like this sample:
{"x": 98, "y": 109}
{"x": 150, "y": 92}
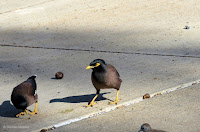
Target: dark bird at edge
{"x": 104, "y": 76}
{"x": 25, "y": 95}
{"x": 147, "y": 128}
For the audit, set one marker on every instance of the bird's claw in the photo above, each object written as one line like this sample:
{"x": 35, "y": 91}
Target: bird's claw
{"x": 33, "y": 113}
{"x": 91, "y": 104}
{"x": 21, "y": 113}
{"x": 114, "y": 102}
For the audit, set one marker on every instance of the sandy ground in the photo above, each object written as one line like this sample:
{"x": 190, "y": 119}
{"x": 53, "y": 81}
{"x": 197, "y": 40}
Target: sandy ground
{"x": 145, "y": 40}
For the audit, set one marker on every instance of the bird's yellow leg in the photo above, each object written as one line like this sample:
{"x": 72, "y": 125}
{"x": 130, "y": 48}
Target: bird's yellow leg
{"x": 22, "y": 113}
{"x": 35, "y": 111}
{"x": 92, "y": 102}
{"x": 26, "y": 111}
{"x": 115, "y": 102}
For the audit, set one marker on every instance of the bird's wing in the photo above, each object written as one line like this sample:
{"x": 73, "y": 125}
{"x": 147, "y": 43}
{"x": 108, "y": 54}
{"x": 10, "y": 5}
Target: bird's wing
{"x": 114, "y": 71}
{"x": 29, "y": 87}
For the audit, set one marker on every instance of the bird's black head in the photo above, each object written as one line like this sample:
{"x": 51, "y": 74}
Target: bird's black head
{"x": 97, "y": 64}
{"x": 145, "y": 128}
{"x": 94, "y": 62}
{"x": 32, "y": 77}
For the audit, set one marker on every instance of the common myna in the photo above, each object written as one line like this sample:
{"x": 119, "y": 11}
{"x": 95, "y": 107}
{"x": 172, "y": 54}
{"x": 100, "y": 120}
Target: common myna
{"x": 147, "y": 128}
{"x": 25, "y": 95}
{"x": 104, "y": 76}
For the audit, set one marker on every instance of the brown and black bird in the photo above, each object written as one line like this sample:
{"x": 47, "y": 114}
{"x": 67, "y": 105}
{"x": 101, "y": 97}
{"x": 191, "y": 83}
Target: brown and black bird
{"x": 25, "y": 95}
{"x": 104, "y": 76}
{"x": 147, "y": 128}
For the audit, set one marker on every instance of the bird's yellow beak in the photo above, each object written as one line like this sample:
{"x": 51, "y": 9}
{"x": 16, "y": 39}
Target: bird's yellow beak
{"x": 90, "y": 67}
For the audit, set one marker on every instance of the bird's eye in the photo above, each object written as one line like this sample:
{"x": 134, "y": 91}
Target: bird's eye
{"x": 142, "y": 128}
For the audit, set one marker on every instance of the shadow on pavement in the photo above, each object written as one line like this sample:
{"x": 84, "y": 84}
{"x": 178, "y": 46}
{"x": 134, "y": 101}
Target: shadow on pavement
{"x": 80, "y": 98}
{"x": 8, "y": 110}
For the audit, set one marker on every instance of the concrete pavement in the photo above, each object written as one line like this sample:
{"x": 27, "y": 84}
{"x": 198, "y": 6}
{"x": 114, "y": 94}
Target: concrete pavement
{"x": 178, "y": 111}
{"x": 145, "y": 27}
{"x": 151, "y": 51}
{"x": 75, "y": 89}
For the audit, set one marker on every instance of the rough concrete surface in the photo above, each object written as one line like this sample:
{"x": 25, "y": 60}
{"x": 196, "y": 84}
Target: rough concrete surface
{"x": 145, "y": 40}
{"x": 174, "y": 112}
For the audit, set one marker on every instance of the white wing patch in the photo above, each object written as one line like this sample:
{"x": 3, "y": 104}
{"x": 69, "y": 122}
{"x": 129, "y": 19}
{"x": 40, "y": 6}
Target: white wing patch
{"x": 35, "y": 92}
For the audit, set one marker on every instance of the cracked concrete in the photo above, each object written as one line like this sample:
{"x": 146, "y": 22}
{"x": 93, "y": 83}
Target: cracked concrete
{"x": 102, "y": 51}
{"x": 114, "y": 26}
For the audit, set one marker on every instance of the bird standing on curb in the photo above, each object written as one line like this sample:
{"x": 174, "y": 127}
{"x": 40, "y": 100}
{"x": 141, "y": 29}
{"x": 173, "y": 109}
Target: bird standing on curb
{"x": 147, "y": 128}
{"x": 104, "y": 76}
{"x": 25, "y": 95}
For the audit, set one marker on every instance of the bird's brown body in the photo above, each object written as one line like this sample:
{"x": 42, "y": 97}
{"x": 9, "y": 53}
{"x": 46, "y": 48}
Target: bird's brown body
{"x": 25, "y": 90}
{"x": 104, "y": 76}
{"x": 25, "y": 95}
{"x": 110, "y": 79}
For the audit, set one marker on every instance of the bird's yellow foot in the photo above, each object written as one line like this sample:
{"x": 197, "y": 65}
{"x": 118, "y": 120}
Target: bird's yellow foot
{"x": 114, "y": 102}
{"x": 91, "y": 104}
{"x": 33, "y": 113}
{"x": 21, "y": 113}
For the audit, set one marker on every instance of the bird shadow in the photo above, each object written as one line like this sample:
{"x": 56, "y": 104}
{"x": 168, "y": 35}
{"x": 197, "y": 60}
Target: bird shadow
{"x": 80, "y": 98}
{"x": 53, "y": 78}
{"x": 8, "y": 110}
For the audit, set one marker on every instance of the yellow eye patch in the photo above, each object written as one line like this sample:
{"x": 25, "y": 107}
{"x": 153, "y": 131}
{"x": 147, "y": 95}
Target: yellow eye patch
{"x": 98, "y": 64}
{"x": 90, "y": 67}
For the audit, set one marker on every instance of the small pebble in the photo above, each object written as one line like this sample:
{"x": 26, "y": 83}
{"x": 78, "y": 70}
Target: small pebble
{"x": 59, "y": 75}
{"x": 146, "y": 96}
